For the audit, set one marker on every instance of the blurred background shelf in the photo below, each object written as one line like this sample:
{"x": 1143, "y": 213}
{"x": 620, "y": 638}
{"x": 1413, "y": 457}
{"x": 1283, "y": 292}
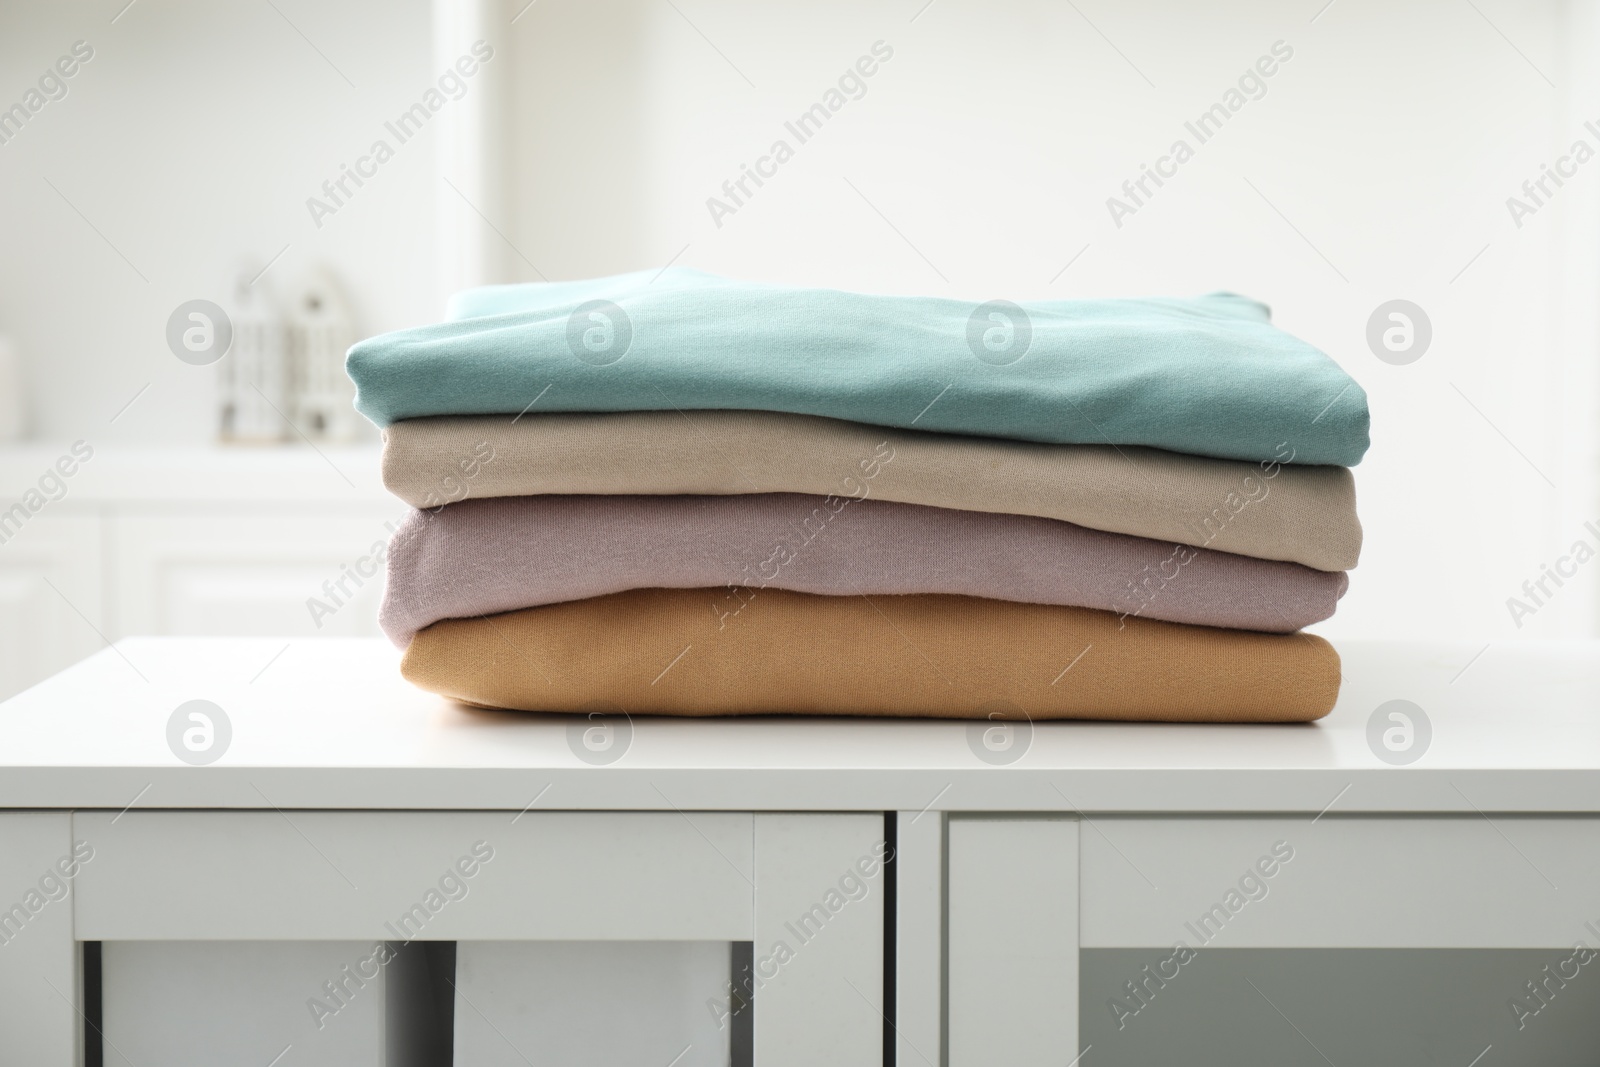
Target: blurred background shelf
{"x": 134, "y": 474}
{"x": 185, "y": 541}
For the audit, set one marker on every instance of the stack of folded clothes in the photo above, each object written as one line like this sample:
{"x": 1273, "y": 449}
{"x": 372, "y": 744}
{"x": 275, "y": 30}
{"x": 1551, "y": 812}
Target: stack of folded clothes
{"x": 678, "y": 494}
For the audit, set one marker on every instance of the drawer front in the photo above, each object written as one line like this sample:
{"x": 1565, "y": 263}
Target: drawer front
{"x": 1357, "y": 882}
{"x": 596, "y": 876}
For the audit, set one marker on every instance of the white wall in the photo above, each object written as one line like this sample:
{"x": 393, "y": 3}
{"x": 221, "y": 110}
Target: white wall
{"x": 192, "y": 139}
{"x": 993, "y": 138}
{"x": 981, "y": 159}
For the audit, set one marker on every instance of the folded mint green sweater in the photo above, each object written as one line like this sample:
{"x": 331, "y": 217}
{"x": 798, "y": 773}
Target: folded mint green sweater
{"x": 1210, "y": 376}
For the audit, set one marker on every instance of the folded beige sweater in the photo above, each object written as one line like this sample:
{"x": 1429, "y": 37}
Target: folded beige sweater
{"x": 680, "y": 652}
{"x": 1302, "y": 514}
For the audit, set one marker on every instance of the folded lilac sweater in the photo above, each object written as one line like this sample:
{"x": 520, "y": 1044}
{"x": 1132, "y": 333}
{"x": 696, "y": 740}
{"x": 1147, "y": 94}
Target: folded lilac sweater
{"x": 479, "y": 557}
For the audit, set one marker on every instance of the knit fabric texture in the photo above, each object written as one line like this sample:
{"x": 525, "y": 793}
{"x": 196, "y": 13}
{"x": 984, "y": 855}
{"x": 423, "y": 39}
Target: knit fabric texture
{"x": 481, "y": 557}
{"x": 669, "y": 652}
{"x": 1268, "y": 510}
{"x": 1208, "y": 376}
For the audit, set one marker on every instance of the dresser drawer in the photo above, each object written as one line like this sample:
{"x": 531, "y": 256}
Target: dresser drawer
{"x": 1340, "y": 882}
{"x": 435, "y": 875}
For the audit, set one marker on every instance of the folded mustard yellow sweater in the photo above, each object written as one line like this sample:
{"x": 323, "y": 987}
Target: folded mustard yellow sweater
{"x": 1269, "y": 510}
{"x": 683, "y": 652}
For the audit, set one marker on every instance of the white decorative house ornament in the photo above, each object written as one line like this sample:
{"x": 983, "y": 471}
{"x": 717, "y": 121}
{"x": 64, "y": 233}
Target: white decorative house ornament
{"x": 253, "y": 377}
{"x": 321, "y": 330}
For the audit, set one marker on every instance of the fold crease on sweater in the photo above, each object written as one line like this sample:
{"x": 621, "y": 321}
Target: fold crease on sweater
{"x": 670, "y": 652}
{"x": 1206, "y": 376}
{"x": 1267, "y": 509}
{"x": 481, "y": 557}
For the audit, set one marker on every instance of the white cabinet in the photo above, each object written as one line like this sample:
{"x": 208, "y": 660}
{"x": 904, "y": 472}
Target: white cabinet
{"x": 432, "y": 875}
{"x": 1330, "y": 908}
{"x": 143, "y": 980}
{"x": 212, "y": 542}
{"x": 50, "y": 598}
{"x": 817, "y": 968}
{"x": 1012, "y": 941}
{"x": 606, "y": 933}
{"x": 248, "y": 575}
{"x": 38, "y": 959}
{"x": 1341, "y": 882}
{"x": 645, "y": 1002}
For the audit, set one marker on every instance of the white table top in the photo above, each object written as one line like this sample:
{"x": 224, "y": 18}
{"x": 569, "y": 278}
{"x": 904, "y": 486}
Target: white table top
{"x": 329, "y": 723}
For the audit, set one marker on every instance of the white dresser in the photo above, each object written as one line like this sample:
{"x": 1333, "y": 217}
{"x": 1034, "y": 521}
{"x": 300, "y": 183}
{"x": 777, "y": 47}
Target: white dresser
{"x": 717, "y": 891}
